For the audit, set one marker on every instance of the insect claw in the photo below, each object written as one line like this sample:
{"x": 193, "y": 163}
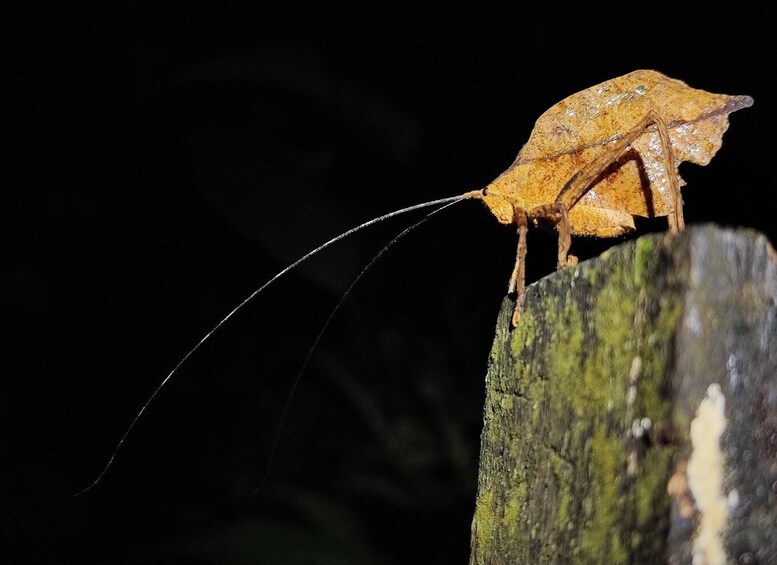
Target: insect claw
{"x": 516, "y": 315}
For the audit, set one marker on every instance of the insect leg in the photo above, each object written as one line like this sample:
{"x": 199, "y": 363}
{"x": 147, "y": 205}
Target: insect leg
{"x": 577, "y": 187}
{"x": 558, "y": 213}
{"x": 581, "y": 183}
{"x": 564, "y": 238}
{"x": 676, "y": 220}
{"x": 518, "y": 278}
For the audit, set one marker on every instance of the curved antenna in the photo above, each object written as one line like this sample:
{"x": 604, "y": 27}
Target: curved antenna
{"x": 295, "y": 383}
{"x": 246, "y": 301}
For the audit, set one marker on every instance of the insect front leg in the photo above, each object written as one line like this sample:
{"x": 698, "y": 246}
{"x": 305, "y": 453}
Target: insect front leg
{"x": 518, "y": 278}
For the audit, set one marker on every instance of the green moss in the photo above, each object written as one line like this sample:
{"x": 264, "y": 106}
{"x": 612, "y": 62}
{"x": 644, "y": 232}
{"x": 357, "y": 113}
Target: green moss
{"x": 570, "y": 358}
{"x": 560, "y": 473}
{"x": 605, "y": 374}
{"x": 644, "y": 260}
{"x": 522, "y": 338}
{"x": 566, "y": 343}
{"x": 484, "y": 518}
{"x": 654, "y": 352}
{"x": 600, "y": 540}
{"x": 526, "y": 331}
{"x": 506, "y": 402}
{"x": 602, "y": 376}
{"x": 514, "y": 503}
{"x": 650, "y": 487}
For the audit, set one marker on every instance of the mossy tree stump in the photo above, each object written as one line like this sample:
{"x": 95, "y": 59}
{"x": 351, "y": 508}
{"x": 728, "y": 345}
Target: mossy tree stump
{"x": 631, "y": 417}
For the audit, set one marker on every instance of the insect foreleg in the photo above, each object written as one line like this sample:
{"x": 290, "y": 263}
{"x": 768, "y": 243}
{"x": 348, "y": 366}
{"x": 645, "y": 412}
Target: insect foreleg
{"x": 518, "y": 278}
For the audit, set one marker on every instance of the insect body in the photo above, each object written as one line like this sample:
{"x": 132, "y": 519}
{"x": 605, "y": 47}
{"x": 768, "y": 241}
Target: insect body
{"x": 593, "y": 162}
{"x": 606, "y": 154}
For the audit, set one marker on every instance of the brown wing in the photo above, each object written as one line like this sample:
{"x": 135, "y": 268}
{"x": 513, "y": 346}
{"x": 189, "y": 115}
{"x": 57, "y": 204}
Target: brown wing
{"x": 580, "y": 127}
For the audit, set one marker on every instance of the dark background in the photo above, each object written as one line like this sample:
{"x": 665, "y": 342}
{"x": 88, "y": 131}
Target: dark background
{"x": 163, "y": 160}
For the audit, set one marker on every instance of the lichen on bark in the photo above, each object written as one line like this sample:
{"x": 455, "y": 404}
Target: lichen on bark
{"x": 590, "y": 403}
{"x": 562, "y": 399}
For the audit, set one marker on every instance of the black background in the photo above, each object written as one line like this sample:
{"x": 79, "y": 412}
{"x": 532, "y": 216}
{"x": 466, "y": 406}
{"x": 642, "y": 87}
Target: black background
{"x": 163, "y": 160}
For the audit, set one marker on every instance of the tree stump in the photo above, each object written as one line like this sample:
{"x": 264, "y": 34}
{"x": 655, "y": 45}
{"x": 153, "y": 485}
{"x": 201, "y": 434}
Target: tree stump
{"x": 631, "y": 417}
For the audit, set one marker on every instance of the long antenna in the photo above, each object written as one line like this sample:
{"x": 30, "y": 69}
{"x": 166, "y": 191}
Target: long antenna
{"x": 298, "y": 378}
{"x": 246, "y": 301}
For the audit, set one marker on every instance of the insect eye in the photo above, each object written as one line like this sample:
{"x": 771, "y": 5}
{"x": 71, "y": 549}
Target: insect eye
{"x": 485, "y": 191}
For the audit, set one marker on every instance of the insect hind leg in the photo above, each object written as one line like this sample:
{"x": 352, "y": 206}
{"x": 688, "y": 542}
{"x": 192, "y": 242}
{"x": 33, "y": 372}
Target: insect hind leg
{"x": 582, "y": 182}
{"x": 675, "y": 217}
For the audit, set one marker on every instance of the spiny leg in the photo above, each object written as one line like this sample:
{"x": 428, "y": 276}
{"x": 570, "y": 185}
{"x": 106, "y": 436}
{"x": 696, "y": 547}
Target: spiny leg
{"x": 581, "y": 183}
{"x": 675, "y": 218}
{"x": 518, "y": 278}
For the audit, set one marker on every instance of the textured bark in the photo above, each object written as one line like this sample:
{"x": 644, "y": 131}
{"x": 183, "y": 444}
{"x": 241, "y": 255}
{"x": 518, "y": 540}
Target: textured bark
{"x": 631, "y": 417}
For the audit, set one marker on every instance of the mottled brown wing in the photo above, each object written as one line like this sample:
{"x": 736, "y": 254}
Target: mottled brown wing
{"x": 577, "y": 129}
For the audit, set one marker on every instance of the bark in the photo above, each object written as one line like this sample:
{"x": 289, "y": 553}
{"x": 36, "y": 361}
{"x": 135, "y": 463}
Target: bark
{"x": 631, "y": 417}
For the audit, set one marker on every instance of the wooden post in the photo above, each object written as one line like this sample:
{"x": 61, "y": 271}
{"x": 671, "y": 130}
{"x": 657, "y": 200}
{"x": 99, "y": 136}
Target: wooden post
{"x": 631, "y": 417}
